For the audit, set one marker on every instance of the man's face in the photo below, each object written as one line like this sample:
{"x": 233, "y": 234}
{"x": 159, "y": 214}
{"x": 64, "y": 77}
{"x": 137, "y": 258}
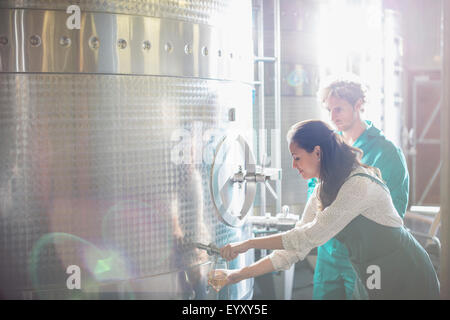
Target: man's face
{"x": 342, "y": 113}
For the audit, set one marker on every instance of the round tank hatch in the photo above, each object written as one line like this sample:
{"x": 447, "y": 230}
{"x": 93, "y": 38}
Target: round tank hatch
{"x": 231, "y": 190}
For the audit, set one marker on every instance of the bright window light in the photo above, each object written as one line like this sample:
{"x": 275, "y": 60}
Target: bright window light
{"x": 425, "y": 209}
{"x": 350, "y": 39}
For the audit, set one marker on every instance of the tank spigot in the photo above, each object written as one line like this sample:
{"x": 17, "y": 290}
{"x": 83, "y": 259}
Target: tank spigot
{"x": 211, "y": 249}
{"x": 285, "y": 211}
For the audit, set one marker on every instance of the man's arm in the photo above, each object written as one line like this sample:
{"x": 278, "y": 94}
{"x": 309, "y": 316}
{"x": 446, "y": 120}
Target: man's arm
{"x": 395, "y": 173}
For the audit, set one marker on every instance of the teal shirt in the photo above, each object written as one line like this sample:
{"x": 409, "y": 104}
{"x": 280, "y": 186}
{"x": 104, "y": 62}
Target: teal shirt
{"x": 381, "y": 153}
{"x": 332, "y": 257}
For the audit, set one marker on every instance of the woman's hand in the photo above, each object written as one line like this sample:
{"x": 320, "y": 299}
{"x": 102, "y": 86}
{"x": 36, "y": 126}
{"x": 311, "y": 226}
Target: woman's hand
{"x": 232, "y": 250}
{"x": 220, "y": 278}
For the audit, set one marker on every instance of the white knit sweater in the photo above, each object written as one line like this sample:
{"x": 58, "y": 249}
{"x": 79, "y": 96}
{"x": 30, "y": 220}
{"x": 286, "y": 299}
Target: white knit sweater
{"x": 358, "y": 195}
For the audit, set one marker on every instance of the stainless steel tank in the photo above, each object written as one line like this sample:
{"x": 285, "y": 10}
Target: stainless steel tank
{"x": 116, "y": 134}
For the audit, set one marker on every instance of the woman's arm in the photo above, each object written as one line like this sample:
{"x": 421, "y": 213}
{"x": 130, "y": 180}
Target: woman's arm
{"x": 256, "y": 269}
{"x": 273, "y": 242}
{"x": 232, "y": 250}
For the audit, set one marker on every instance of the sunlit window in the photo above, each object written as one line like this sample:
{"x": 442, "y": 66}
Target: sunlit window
{"x": 350, "y": 39}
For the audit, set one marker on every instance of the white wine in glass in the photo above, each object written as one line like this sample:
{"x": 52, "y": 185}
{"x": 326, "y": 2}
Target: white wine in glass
{"x": 218, "y": 279}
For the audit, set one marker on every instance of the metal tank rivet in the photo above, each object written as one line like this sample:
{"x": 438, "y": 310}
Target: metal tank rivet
{"x": 168, "y": 47}
{"x": 232, "y": 114}
{"x": 3, "y": 40}
{"x": 146, "y": 45}
{"x": 188, "y": 49}
{"x": 219, "y": 53}
{"x": 65, "y": 41}
{"x": 94, "y": 42}
{"x": 122, "y": 43}
{"x": 35, "y": 40}
{"x": 205, "y": 51}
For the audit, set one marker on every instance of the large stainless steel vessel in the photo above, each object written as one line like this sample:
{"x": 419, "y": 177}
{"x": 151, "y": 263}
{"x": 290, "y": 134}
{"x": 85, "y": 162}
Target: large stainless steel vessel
{"x": 111, "y": 126}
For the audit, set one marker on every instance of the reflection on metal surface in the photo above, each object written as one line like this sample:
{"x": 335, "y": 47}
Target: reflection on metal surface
{"x": 211, "y": 12}
{"x": 100, "y": 167}
{"x": 107, "y": 143}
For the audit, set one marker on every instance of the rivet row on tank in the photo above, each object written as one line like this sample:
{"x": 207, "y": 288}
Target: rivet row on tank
{"x": 94, "y": 43}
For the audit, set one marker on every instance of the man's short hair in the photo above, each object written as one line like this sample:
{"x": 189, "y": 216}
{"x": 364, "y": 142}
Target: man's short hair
{"x": 347, "y": 87}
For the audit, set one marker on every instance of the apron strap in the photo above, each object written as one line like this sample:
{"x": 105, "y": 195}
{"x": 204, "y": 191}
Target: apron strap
{"x": 373, "y": 179}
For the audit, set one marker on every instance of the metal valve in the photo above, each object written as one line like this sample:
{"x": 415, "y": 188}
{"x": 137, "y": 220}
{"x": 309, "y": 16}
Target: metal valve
{"x": 211, "y": 249}
{"x": 260, "y": 174}
{"x": 234, "y": 176}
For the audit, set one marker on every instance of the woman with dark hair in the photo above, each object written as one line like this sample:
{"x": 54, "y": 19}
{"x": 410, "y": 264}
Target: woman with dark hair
{"x": 352, "y": 204}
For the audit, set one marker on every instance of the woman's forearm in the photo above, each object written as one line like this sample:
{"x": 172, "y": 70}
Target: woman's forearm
{"x": 256, "y": 269}
{"x": 232, "y": 250}
{"x": 273, "y": 242}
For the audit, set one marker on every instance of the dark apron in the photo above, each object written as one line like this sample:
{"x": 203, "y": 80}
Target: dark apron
{"x": 389, "y": 262}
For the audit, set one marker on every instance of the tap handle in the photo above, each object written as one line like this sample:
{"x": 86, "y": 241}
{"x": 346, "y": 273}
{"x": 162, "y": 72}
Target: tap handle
{"x": 211, "y": 249}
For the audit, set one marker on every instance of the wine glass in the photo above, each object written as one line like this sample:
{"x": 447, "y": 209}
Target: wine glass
{"x": 217, "y": 276}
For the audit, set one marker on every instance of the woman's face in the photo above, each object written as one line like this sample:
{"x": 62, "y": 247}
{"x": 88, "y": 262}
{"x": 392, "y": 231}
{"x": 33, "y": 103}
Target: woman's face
{"x": 307, "y": 164}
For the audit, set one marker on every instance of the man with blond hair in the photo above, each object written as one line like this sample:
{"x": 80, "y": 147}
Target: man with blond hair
{"x": 344, "y": 98}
